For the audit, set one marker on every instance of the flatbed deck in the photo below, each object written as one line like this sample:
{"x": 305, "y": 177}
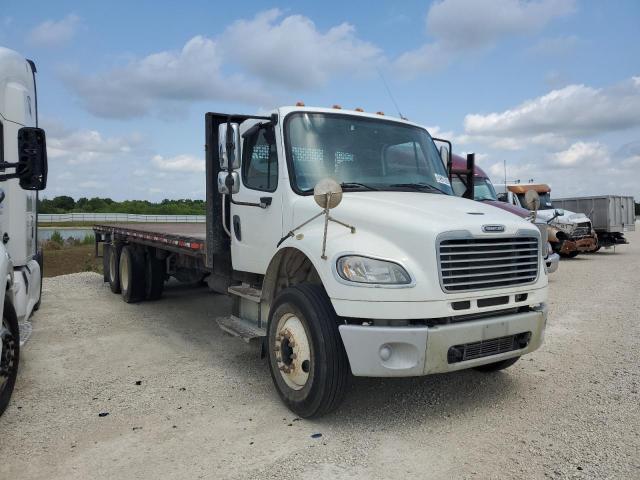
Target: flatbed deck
{"x": 189, "y": 238}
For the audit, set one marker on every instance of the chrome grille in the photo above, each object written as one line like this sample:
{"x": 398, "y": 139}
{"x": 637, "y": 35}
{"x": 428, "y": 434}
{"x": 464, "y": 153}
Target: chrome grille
{"x": 481, "y": 263}
{"x": 582, "y": 229}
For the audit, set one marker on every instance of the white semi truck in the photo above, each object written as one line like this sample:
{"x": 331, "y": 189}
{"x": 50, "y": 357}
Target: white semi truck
{"x": 345, "y": 251}
{"x": 23, "y": 171}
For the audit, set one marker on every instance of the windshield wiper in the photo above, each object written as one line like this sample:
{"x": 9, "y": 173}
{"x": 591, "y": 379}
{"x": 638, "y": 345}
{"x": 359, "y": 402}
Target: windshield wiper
{"x": 418, "y": 186}
{"x": 357, "y": 185}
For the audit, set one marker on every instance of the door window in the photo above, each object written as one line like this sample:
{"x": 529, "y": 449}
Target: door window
{"x": 260, "y": 161}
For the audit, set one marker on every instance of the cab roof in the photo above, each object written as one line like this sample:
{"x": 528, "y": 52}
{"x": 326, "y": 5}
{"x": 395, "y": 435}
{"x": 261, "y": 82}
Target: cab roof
{"x": 519, "y": 188}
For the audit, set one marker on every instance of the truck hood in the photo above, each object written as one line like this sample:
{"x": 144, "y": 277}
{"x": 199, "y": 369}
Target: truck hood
{"x": 419, "y": 210}
{"x": 403, "y": 227}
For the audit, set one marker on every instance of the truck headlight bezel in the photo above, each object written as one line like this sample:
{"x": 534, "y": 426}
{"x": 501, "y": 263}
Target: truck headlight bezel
{"x": 357, "y": 270}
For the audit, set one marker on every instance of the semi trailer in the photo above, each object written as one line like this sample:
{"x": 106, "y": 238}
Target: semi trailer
{"x": 23, "y": 171}
{"x": 611, "y": 216}
{"x": 338, "y": 237}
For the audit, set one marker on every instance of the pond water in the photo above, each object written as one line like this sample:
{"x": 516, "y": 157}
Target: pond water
{"x": 44, "y": 233}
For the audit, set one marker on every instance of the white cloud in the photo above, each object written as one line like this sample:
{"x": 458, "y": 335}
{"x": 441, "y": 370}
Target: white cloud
{"x": 282, "y": 52}
{"x": 52, "y": 33}
{"x": 291, "y": 52}
{"x": 179, "y": 163}
{"x": 163, "y": 80}
{"x": 575, "y": 110}
{"x": 459, "y": 26}
{"x": 474, "y": 24}
{"x": 584, "y": 155}
{"x": 74, "y": 147}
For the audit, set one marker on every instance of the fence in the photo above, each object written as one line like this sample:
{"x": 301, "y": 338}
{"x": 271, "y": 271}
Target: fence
{"x": 117, "y": 217}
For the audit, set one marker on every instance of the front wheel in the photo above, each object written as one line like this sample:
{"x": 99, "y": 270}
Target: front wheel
{"x": 10, "y": 354}
{"x": 308, "y": 363}
{"x": 501, "y": 365}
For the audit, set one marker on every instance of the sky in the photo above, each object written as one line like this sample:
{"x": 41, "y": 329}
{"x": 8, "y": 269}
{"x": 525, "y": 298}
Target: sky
{"x": 551, "y": 87}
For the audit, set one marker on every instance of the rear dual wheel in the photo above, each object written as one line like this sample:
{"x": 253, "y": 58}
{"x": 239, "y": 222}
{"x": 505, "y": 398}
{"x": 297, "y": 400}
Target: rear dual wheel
{"x": 132, "y": 274}
{"x": 136, "y": 274}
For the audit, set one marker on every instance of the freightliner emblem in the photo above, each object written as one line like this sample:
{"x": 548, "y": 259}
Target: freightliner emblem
{"x": 493, "y": 228}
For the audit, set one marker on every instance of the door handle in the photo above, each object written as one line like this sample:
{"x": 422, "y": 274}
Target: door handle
{"x": 265, "y": 201}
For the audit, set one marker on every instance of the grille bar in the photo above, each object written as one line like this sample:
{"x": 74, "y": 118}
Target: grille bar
{"x": 480, "y": 263}
{"x": 486, "y": 348}
{"x": 498, "y": 265}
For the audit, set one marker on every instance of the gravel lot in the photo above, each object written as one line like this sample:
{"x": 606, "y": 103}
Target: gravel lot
{"x": 205, "y": 406}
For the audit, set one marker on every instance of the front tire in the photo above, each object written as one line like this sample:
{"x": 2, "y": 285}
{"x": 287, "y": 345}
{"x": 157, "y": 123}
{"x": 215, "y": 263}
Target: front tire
{"x": 10, "y": 356}
{"x": 308, "y": 363}
{"x": 494, "y": 367}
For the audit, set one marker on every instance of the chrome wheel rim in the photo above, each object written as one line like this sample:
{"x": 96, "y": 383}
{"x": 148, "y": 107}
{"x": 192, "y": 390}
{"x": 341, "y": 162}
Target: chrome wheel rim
{"x": 8, "y": 354}
{"x": 292, "y": 351}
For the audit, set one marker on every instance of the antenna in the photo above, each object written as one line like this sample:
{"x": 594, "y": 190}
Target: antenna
{"x": 393, "y": 100}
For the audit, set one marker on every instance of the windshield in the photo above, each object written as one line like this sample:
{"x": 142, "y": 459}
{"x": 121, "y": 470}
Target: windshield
{"x": 545, "y": 200}
{"x": 482, "y": 188}
{"x": 362, "y": 154}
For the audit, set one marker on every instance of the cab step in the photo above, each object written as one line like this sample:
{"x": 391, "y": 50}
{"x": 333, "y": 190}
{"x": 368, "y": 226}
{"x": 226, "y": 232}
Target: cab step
{"x": 245, "y": 291}
{"x": 241, "y": 328}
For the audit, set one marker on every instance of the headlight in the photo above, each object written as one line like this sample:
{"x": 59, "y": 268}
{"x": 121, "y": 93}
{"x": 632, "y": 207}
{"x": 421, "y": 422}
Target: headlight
{"x": 369, "y": 270}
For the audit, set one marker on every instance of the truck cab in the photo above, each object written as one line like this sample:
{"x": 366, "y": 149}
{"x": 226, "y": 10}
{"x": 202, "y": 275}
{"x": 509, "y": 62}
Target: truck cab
{"x": 572, "y": 232}
{"x": 350, "y": 251}
{"x": 23, "y": 171}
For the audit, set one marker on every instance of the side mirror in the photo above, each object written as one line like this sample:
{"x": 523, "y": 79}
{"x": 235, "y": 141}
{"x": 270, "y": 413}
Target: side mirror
{"x": 31, "y": 168}
{"x": 229, "y": 145}
{"x": 444, "y": 155}
{"x": 228, "y": 182}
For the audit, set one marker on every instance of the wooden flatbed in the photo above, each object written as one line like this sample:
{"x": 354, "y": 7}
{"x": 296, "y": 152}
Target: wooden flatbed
{"x": 187, "y": 238}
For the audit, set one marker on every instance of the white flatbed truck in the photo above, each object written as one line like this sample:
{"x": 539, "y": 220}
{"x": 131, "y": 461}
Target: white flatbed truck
{"x": 338, "y": 236}
{"x": 23, "y": 171}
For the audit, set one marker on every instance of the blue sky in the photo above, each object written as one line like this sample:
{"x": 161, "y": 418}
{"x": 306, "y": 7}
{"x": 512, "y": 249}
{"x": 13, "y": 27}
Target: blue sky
{"x": 550, "y": 86}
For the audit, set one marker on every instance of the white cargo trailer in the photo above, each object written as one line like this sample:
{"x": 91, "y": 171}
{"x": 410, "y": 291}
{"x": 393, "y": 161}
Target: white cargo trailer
{"x": 611, "y": 215}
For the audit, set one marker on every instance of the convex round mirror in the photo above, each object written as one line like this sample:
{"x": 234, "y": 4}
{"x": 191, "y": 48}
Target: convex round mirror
{"x": 532, "y": 200}
{"x": 329, "y": 190}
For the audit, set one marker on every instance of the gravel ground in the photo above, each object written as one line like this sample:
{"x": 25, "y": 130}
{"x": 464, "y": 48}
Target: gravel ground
{"x": 205, "y": 406}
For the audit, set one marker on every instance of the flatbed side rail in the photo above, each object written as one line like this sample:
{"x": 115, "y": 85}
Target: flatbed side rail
{"x": 175, "y": 243}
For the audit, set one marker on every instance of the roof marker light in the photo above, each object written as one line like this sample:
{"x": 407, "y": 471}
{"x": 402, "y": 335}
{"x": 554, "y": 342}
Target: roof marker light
{"x": 379, "y": 113}
{"x": 337, "y": 107}
{"x": 299, "y": 104}
{"x": 358, "y": 109}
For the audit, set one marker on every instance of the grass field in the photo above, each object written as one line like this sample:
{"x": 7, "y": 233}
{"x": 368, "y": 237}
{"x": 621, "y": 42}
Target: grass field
{"x": 80, "y": 258}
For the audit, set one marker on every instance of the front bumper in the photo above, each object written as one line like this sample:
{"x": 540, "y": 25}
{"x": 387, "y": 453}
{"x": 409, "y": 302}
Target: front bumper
{"x": 414, "y": 351}
{"x": 552, "y": 262}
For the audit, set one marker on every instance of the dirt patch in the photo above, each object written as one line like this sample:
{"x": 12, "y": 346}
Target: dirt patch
{"x": 73, "y": 259}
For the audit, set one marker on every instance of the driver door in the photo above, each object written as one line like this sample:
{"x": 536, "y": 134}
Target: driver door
{"x": 255, "y": 231}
